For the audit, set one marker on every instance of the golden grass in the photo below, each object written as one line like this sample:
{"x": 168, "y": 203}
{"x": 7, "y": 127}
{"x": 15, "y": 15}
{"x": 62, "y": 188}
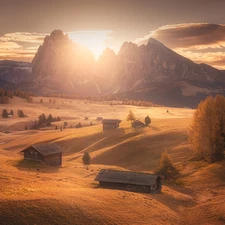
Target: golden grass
{"x": 36, "y": 194}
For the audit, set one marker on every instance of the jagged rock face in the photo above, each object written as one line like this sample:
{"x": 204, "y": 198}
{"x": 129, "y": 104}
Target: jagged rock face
{"x": 154, "y": 64}
{"x": 147, "y": 72}
{"x": 63, "y": 65}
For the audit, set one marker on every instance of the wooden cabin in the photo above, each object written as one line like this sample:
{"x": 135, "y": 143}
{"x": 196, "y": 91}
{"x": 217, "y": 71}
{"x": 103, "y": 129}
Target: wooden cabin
{"x": 138, "y": 124}
{"x": 130, "y": 181}
{"x": 49, "y": 154}
{"x": 109, "y": 124}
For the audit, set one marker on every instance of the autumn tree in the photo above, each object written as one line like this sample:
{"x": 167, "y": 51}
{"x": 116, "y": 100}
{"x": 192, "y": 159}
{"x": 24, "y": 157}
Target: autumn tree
{"x": 147, "y": 120}
{"x": 131, "y": 116}
{"x": 207, "y": 131}
{"x": 166, "y": 167}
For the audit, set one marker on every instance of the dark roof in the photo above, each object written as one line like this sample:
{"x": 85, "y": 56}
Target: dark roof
{"x": 138, "y": 122}
{"x": 46, "y": 149}
{"x": 126, "y": 177}
{"x": 111, "y": 121}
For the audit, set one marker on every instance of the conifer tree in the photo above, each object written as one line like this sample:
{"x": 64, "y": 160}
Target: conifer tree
{"x": 86, "y": 158}
{"x": 4, "y": 113}
{"x": 131, "y": 116}
{"x": 166, "y": 167}
{"x": 147, "y": 120}
{"x": 207, "y": 132}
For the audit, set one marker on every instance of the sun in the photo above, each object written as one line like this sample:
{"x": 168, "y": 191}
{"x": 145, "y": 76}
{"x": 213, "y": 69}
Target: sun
{"x": 92, "y": 39}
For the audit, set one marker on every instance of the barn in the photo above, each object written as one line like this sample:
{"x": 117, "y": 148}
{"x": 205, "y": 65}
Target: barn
{"x": 49, "y": 154}
{"x": 109, "y": 124}
{"x": 130, "y": 181}
{"x": 138, "y": 124}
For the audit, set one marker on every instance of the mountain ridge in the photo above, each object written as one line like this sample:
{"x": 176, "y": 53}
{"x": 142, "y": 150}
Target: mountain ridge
{"x": 147, "y": 72}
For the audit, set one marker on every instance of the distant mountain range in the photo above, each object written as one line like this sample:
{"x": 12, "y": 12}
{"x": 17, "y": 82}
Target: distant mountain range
{"x": 150, "y": 72}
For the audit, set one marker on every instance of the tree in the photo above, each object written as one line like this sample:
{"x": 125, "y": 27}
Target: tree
{"x": 166, "y": 167}
{"x": 207, "y": 131}
{"x": 147, "y": 120}
{"x": 41, "y": 100}
{"x": 20, "y": 113}
{"x": 50, "y": 118}
{"x": 4, "y": 113}
{"x": 131, "y": 116}
{"x": 86, "y": 158}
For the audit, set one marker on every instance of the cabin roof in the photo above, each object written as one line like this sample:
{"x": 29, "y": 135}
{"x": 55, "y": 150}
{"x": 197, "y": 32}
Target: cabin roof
{"x": 126, "y": 177}
{"x": 138, "y": 122}
{"x": 111, "y": 121}
{"x": 46, "y": 148}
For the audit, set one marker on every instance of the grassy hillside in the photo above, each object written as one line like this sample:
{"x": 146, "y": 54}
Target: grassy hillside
{"x": 32, "y": 193}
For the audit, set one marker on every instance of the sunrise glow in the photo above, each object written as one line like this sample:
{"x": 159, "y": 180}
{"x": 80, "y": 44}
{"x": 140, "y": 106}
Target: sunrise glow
{"x": 95, "y": 40}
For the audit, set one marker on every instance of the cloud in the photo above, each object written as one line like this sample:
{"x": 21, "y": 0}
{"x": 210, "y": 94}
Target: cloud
{"x": 20, "y": 45}
{"x": 201, "y": 42}
{"x": 23, "y": 37}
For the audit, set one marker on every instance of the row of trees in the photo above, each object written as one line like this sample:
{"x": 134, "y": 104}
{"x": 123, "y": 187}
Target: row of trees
{"x": 45, "y": 121}
{"x": 207, "y": 131}
{"x": 5, "y": 113}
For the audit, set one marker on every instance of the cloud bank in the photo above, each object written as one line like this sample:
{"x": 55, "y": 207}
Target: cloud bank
{"x": 201, "y": 42}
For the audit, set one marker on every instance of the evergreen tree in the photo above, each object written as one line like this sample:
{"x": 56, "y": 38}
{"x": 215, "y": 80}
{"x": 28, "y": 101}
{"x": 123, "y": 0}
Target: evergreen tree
{"x": 86, "y": 158}
{"x": 147, "y": 120}
{"x": 4, "y": 113}
{"x": 131, "y": 116}
{"x": 20, "y": 113}
{"x": 50, "y": 118}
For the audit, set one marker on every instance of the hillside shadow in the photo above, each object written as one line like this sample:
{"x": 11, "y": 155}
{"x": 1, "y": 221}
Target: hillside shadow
{"x": 142, "y": 153}
{"x": 96, "y": 141}
{"x": 33, "y": 166}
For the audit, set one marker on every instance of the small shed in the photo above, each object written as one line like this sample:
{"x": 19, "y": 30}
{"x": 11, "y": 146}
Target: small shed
{"x": 109, "y": 124}
{"x": 138, "y": 124}
{"x": 130, "y": 181}
{"x": 50, "y": 153}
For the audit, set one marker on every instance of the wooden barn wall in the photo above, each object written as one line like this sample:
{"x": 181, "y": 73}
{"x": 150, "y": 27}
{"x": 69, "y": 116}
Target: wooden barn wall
{"x": 108, "y": 126}
{"x": 128, "y": 187}
{"x": 33, "y": 154}
{"x": 53, "y": 160}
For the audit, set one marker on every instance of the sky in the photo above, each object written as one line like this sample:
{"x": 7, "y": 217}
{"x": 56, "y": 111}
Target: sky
{"x": 193, "y": 28}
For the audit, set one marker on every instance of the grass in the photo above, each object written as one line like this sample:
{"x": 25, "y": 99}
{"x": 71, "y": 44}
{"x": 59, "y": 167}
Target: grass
{"x": 69, "y": 195}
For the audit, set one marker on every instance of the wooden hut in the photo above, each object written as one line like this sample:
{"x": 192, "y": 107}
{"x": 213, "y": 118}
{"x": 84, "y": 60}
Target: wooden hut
{"x": 50, "y": 154}
{"x": 138, "y": 124}
{"x": 109, "y": 124}
{"x": 131, "y": 181}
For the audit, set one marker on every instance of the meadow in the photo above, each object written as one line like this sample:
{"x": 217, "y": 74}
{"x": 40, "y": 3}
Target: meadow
{"x": 32, "y": 193}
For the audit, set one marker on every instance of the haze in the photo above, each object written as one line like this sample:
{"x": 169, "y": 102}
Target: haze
{"x": 194, "y": 29}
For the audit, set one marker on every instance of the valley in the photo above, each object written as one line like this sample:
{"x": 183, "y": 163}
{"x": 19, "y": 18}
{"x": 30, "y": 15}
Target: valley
{"x": 69, "y": 195}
